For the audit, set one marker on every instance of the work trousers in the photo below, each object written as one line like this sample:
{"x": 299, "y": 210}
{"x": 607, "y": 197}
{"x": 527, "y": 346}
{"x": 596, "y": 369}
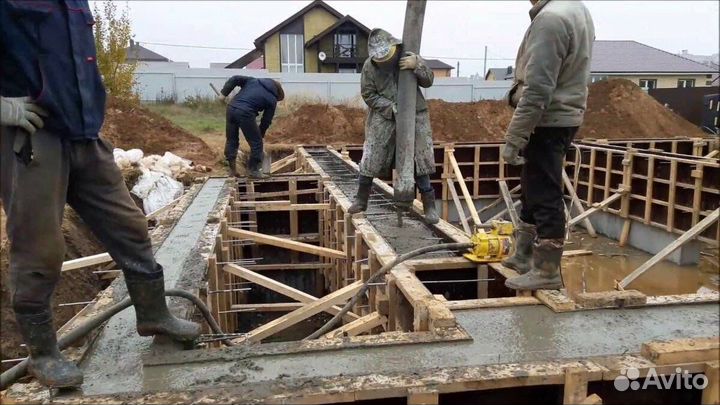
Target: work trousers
{"x": 34, "y": 192}
{"x": 541, "y": 181}
{"x": 422, "y": 182}
{"x": 237, "y": 119}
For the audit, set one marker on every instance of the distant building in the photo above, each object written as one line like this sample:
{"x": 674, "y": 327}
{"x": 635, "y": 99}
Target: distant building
{"x": 137, "y": 53}
{"x": 646, "y": 66}
{"x": 507, "y": 73}
{"x": 316, "y": 39}
{"x": 439, "y": 68}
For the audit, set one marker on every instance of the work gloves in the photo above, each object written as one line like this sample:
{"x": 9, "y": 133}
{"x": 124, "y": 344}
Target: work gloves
{"x": 511, "y": 155}
{"x": 21, "y": 112}
{"x": 409, "y": 62}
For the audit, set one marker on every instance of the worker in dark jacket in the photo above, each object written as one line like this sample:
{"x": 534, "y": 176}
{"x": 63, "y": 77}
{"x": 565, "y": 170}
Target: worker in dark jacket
{"x": 255, "y": 95}
{"x": 53, "y": 104}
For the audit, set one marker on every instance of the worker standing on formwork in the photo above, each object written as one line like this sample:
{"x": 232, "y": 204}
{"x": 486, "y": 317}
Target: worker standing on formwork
{"x": 549, "y": 96}
{"x": 255, "y": 95}
{"x": 52, "y": 105}
{"x": 379, "y": 88}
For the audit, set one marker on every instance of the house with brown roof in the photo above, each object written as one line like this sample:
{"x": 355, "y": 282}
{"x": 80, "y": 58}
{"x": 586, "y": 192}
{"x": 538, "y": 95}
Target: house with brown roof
{"x": 316, "y": 39}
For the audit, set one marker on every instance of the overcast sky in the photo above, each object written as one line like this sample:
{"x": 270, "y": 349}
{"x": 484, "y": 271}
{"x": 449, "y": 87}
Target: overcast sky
{"x": 452, "y": 30}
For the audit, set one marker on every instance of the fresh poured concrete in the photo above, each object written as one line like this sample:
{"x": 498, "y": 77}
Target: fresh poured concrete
{"x": 114, "y": 362}
{"x": 500, "y": 335}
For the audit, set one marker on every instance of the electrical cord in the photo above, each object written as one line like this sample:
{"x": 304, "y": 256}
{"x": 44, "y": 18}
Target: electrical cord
{"x": 383, "y": 270}
{"x": 19, "y": 370}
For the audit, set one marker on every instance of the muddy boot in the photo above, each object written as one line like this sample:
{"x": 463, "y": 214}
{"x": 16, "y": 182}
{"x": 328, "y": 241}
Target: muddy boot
{"x": 428, "y": 200}
{"x": 545, "y": 272}
{"x": 151, "y": 311}
{"x": 521, "y": 259}
{"x": 360, "y": 202}
{"x": 232, "y": 168}
{"x": 256, "y": 174}
{"x": 46, "y": 362}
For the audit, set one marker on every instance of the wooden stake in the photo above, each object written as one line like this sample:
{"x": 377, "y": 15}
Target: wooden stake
{"x": 576, "y": 385}
{"x": 576, "y": 203}
{"x": 463, "y": 187}
{"x": 509, "y": 202}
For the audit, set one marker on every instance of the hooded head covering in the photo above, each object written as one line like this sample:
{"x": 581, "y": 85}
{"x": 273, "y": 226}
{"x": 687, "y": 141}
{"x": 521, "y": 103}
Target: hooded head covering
{"x": 280, "y": 91}
{"x": 382, "y": 46}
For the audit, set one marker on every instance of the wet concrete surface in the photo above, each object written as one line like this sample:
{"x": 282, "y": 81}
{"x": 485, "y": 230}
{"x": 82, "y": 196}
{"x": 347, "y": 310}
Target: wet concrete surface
{"x": 381, "y": 213}
{"x": 114, "y": 364}
{"x": 610, "y": 262}
{"x": 500, "y": 335}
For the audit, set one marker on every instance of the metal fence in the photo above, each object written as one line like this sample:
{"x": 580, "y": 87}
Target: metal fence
{"x": 160, "y": 83}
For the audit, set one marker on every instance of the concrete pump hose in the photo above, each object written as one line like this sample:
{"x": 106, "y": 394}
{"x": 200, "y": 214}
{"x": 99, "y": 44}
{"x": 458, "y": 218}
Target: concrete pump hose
{"x": 19, "y": 370}
{"x": 386, "y": 268}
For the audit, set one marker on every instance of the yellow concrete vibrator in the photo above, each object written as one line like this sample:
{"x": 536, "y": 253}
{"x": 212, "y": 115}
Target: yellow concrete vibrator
{"x": 491, "y": 242}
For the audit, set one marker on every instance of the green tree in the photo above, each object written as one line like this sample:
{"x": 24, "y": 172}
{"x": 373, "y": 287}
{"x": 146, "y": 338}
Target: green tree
{"x": 113, "y": 32}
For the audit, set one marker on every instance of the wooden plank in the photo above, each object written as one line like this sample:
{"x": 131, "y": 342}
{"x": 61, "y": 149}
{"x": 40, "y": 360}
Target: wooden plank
{"x": 423, "y": 396}
{"x": 292, "y": 318}
{"x": 359, "y": 326}
{"x": 593, "y": 399}
{"x": 649, "y": 191}
{"x": 463, "y": 187}
{"x": 86, "y": 261}
{"x": 458, "y": 206}
{"x": 491, "y": 303}
{"x": 711, "y": 393}
{"x": 577, "y": 204}
{"x": 695, "y": 350}
{"x": 596, "y": 207}
{"x": 577, "y": 252}
{"x": 265, "y": 206}
{"x": 440, "y": 263}
{"x": 286, "y": 244}
{"x": 671, "y": 199}
{"x": 687, "y": 236}
{"x": 499, "y": 200}
{"x": 273, "y": 307}
{"x": 610, "y": 299}
{"x": 482, "y": 285}
{"x": 288, "y": 266}
{"x": 282, "y": 165}
{"x": 502, "y": 213}
{"x": 509, "y": 202}
{"x": 555, "y": 300}
{"x": 576, "y": 385}
{"x": 281, "y": 288}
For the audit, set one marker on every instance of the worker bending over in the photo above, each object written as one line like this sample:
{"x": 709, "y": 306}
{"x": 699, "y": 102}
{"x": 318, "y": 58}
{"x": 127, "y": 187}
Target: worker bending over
{"x": 379, "y": 87}
{"x": 52, "y": 104}
{"x": 255, "y": 95}
{"x": 549, "y": 96}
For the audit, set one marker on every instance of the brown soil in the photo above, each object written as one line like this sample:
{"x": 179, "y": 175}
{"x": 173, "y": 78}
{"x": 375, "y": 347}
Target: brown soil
{"x": 131, "y": 126}
{"x": 617, "y": 108}
{"x": 74, "y": 286}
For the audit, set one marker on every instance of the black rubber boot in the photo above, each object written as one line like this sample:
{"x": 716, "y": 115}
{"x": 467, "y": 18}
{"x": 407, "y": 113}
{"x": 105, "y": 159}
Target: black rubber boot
{"x": 545, "y": 273}
{"x": 151, "y": 311}
{"x": 232, "y": 168}
{"x": 521, "y": 259}
{"x": 428, "y": 200}
{"x": 360, "y": 203}
{"x": 46, "y": 362}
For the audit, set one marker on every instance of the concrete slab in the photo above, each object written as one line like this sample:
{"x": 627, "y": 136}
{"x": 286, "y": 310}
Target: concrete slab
{"x": 114, "y": 361}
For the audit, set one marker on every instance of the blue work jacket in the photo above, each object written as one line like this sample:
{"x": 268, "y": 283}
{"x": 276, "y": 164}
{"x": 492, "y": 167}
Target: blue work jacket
{"x": 47, "y": 52}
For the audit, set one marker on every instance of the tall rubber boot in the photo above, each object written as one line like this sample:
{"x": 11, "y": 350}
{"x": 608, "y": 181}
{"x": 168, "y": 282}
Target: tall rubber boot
{"x": 428, "y": 200}
{"x": 521, "y": 259}
{"x": 153, "y": 316}
{"x": 256, "y": 173}
{"x": 360, "y": 203}
{"x": 46, "y": 362}
{"x": 232, "y": 168}
{"x": 545, "y": 272}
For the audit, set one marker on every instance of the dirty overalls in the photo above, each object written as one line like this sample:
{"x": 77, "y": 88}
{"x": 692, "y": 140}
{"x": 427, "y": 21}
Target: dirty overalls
{"x": 47, "y": 52}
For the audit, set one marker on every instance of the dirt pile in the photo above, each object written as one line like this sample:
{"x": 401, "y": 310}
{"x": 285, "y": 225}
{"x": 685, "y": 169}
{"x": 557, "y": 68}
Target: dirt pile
{"x": 75, "y": 286}
{"x": 617, "y": 108}
{"x": 132, "y": 126}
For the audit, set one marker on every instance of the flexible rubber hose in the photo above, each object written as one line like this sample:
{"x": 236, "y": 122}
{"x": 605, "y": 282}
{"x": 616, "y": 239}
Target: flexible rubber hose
{"x": 407, "y": 256}
{"x": 19, "y": 370}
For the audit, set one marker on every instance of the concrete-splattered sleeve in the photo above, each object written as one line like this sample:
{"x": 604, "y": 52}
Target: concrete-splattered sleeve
{"x": 372, "y": 96}
{"x": 424, "y": 74}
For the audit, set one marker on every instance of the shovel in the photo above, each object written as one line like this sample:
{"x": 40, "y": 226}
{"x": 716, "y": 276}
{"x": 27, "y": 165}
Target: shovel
{"x": 266, "y": 163}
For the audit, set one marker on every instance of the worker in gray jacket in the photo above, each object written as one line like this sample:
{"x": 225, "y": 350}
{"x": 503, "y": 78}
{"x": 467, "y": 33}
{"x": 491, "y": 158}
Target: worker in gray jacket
{"x": 549, "y": 96}
{"x": 379, "y": 89}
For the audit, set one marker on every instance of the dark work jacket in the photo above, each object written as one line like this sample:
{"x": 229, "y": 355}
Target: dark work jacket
{"x": 47, "y": 52}
{"x": 255, "y": 95}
